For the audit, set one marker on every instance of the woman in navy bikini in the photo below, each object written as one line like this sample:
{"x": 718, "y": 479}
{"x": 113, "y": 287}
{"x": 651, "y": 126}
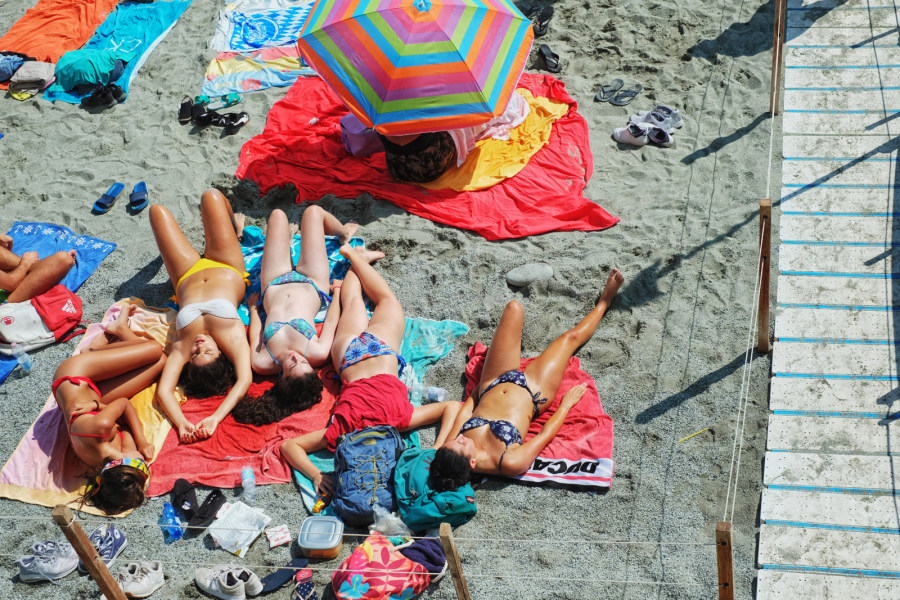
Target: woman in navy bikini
{"x": 291, "y": 296}
{"x": 489, "y": 431}
{"x": 210, "y": 352}
{"x": 92, "y": 390}
{"x": 365, "y": 354}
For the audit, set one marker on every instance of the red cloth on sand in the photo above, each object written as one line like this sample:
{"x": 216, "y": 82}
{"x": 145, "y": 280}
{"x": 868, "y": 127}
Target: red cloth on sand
{"x": 301, "y": 145}
{"x": 217, "y": 461}
{"x": 580, "y": 456}
{"x": 379, "y": 400}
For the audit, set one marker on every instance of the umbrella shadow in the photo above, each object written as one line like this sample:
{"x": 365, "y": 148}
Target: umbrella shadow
{"x": 755, "y": 35}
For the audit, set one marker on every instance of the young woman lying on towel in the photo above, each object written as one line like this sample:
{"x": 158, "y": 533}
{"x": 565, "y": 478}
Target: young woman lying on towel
{"x": 489, "y": 431}
{"x": 292, "y": 296}
{"x": 211, "y": 351}
{"x": 92, "y": 390}
{"x": 365, "y": 354}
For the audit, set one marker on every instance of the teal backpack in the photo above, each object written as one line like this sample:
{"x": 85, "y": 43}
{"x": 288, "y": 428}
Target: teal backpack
{"x": 420, "y": 506}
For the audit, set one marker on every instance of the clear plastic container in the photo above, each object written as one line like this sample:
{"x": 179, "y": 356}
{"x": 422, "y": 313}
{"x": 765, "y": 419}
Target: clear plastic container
{"x": 25, "y": 361}
{"x": 171, "y": 525}
{"x": 248, "y": 482}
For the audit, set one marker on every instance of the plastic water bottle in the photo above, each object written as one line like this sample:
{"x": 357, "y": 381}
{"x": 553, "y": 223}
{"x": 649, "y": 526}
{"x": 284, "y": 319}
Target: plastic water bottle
{"x": 248, "y": 482}
{"x": 25, "y": 361}
{"x": 435, "y": 394}
{"x": 416, "y": 391}
{"x": 171, "y": 525}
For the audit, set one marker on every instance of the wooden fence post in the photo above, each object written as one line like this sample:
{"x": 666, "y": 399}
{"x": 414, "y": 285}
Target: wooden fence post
{"x": 762, "y": 318}
{"x": 97, "y": 569}
{"x": 777, "y": 56}
{"x": 725, "y": 560}
{"x": 459, "y": 580}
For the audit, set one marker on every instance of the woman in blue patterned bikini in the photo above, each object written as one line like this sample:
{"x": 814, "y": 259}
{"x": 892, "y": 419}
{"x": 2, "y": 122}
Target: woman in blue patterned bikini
{"x": 292, "y": 296}
{"x": 365, "y": 354}
{"x": 489, "y": 431}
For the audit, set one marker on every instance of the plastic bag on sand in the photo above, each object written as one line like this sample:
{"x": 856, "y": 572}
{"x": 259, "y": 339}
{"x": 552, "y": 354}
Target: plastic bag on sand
{"x": 237, "y": 526}
{"x": 388, "y": 523}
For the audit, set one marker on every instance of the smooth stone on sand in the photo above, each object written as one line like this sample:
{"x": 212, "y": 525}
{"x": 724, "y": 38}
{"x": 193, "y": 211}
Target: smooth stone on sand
{"x": 529, "y": 273}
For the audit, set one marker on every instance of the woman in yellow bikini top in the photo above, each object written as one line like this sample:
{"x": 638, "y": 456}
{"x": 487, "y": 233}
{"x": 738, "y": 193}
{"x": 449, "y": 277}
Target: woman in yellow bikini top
{"x": 210, "y": 352}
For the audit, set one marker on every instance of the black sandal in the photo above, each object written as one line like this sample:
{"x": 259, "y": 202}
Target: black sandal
{"x": 551, "y": 59}
{"x": 185, "y": 110}
{"x": 540, "y": 20}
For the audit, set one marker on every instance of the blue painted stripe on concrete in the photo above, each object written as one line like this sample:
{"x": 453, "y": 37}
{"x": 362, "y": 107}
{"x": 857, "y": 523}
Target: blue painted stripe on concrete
{"x": 846, "y": 186}
{"x": 829, "y": 413}
{"x": 837, "y": 306}
{"x": 838, "y": 376}
{"x": 850, "y": 275}
{"x": 831, "y": 490}
{"x": 834, "y": 527}
{"x": 841, "y": 67}
{"x": 868, "y": 88}
{"x": 840, "y": 341}
{"x": 862, "y": 244}
{"x": 834, "y": 159}
{"x": 835, "y": 571}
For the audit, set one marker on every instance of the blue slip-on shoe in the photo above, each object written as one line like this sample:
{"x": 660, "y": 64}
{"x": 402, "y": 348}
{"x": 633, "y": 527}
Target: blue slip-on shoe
{"x": 138, "y": 199}
{"x": 106, "y": 201}
{"x": 108, "y": 541}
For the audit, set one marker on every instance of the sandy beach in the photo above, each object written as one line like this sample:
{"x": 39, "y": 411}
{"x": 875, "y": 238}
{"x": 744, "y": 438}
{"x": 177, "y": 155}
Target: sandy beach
{"x": 666, "y": 359}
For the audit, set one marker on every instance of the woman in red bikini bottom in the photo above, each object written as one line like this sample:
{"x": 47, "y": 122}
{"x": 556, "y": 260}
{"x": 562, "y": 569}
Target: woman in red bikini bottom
{"x": 92, "y": 391}
{"x": 489, "y": 431}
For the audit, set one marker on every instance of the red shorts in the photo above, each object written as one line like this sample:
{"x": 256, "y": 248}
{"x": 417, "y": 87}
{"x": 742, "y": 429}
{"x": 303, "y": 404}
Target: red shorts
{"x": 378, "y": 400}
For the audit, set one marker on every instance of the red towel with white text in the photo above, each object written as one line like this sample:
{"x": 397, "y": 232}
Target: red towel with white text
{"x": 580, "y": 456}
{"x": 217, "y": 461}
{"x": 301, "y": 145}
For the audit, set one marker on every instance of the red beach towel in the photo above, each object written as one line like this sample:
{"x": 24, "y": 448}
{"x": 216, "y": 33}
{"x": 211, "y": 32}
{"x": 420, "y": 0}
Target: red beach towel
{"x": 580, "y": 456}
{"x": 301, "y": 145}
{"x": 53, "y": 27}
{"x": 217, "y": 461}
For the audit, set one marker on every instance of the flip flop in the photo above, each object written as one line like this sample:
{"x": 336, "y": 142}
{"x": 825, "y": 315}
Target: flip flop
{"x": 551, "y": 59}
{"x": 229, "y": 100}
{"x": 184, "y": 111}
{"x": 106, "y": 201}
{"x": 138, "y": 199}
{"x": 608, "y": 90}
{"x": 624, "y": 97}
{"x": 540, "y": 19}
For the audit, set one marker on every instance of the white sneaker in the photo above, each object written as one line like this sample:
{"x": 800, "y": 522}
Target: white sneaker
{"x": 139, "y": 580}
{"x": 662, "y": 117}
{"x": 228, "y": 582}
{"x": 634, "y": 134}
{"x": 50, "y": 561}
{"x": 660, "y": 137}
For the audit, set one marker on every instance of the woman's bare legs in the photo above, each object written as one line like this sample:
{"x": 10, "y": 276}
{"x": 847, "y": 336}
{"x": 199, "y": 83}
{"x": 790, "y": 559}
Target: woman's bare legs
{"x": 387, "y": 322}
{"x": 221, "y": 228}
{"x": 314, "y": 226}
{"x": 505, "y": 352}
{"x": 43, "y": 275}
{"x": 276, "y": 258}
{"x": 546, "y": 371}
{"x": 177, "y": 252}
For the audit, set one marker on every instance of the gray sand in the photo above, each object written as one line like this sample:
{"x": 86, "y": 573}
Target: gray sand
{"x": 666, "y": 359}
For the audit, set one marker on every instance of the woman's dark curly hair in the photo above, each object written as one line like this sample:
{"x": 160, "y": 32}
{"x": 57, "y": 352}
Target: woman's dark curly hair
{"x": 205, "y": 381}
{"x": 289, "y": 395}
{"x": 449, "y": 470}
{"x": 119, "y": 489}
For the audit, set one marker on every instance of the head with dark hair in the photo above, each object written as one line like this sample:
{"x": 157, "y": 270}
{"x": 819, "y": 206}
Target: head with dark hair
{"x": 117, "y": 489}
{"x": 289, "y": 395}
{"x": 449, "y": 470}
{"x": 212, "y": 378}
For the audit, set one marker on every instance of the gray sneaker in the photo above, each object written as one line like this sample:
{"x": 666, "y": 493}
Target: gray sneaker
{"x": 222, "y": 581}
{"x": 139, "y": 580}
{"x": 51, "y": 561}
{"x": 662, "y": 116}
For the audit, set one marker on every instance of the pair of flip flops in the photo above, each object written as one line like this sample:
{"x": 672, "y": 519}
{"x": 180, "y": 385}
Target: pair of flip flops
{"x": 551, "y": 59}
{"x": 200, "y": 516}
{"x": 192, "y": 106}
{"x": 137, "y": 200}
{"x": 617, "y": 94}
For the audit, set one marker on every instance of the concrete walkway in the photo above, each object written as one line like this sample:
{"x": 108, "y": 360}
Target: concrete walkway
{"x": 831, "y": 502}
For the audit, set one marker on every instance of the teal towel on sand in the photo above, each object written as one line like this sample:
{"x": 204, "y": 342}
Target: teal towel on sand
{"x": 424, "y": 343}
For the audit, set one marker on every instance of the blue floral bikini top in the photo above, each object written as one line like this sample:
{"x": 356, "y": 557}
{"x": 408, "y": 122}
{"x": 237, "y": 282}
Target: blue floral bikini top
{"x": 504, "y": 431}
{"x": 301, "y": 326}
{"x": 364, "y": 346}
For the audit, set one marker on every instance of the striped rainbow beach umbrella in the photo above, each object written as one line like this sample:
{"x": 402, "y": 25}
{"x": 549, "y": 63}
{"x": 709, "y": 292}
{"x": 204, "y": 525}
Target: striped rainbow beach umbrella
{"x": 410, "y": 66}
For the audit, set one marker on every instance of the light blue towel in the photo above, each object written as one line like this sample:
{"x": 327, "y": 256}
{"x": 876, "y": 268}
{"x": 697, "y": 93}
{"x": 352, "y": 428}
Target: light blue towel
{"x": 425, "y": 342}
{"x": 46, "y": 239}
{"x": 133, "y": 30}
